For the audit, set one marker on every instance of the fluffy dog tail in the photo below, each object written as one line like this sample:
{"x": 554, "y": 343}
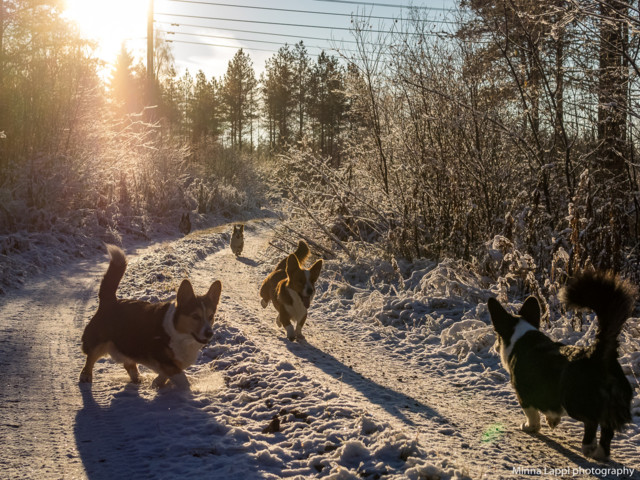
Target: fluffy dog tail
{"x": 611, "y": 297}
{"x": 301, "y": 252}
{"x": 111, "y": 280}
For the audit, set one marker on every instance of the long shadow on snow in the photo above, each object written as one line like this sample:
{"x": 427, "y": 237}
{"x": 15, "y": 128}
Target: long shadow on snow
{"x": 392, "y": 401}
{"x": 247, "y": 261}
{"x": 584, "y": 463}
{"x": 169, "y": 436}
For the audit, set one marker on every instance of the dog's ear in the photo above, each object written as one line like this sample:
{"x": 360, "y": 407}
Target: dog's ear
{"x": 185, "y": 293}
{"x": 314, "y": 271}
{"x": 292, "y": 264}
{"x": 530, "y": 311}
{"x": 242, "y": 228}
{"x": 499, "y": 316}
{"x": 214, "y": 292}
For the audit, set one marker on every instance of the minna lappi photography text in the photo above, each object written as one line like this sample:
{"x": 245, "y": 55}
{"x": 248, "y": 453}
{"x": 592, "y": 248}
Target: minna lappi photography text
{"x": 319, "y": 239}
{"x": 601, "y": 472}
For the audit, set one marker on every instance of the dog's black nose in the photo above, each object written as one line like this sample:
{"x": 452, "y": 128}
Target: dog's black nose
{"x": 208, "y": 332}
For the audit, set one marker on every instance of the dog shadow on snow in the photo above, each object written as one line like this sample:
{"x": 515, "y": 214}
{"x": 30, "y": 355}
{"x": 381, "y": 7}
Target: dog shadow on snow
{"x": 247, "y": 261}
{"x": 581, "y": 462}
{"x": 395, "y": 403}
{"x": 166, "y": 436}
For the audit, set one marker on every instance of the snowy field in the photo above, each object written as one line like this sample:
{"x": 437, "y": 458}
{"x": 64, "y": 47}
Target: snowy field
{"x": 397, "y": 378}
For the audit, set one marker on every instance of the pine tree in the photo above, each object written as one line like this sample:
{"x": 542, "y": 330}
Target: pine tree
{"x": 124, "y": 88}
{"x": 238, "y": 89}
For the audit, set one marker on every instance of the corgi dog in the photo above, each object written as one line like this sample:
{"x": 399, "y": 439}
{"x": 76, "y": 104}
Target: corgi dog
{"x": 165, "y": 337}
{"x": 291, "y": 288}
{"x": 185, "y": 224}
{"x": 237, "y": 240}
{"x": 586, "y": 383}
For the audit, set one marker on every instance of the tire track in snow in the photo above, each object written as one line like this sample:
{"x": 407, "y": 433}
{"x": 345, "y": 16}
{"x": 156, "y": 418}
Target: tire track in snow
{"x": 39, "y": 357}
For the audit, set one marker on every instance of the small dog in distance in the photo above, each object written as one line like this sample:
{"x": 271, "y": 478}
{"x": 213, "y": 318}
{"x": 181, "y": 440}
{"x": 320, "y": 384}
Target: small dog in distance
{"x": 185, "y": 224}
{"x": 237, "y": 240}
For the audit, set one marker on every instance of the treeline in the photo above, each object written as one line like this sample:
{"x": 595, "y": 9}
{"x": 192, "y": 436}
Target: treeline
{"x": 294, "y": 98}
{"x": 509, "y": 142}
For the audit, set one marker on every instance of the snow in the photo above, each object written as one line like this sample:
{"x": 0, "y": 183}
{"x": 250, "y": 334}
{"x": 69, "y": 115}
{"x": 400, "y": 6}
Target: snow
{"x": 397, "y": 378}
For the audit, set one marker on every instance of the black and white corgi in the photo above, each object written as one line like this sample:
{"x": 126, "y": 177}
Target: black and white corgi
{"x": 165, "y": 337}
{"x": 586, "y": 383}
{"x": 291, "y": 288}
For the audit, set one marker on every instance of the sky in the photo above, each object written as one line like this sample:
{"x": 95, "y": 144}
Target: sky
{"x": 205, "y": 34}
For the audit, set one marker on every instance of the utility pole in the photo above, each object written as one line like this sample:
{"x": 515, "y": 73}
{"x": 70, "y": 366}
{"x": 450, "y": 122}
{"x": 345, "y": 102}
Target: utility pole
{"x": 150, "y": 72}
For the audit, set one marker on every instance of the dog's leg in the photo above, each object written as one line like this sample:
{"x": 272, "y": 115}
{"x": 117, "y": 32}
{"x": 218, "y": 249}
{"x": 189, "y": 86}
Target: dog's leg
{"x": 159, "y": 381}
{"x": 532, "y": 425}
{"x": 299, "y": 325}
{"x": 180, "y": 380}
{"x": 602, "y": 451}
{"x": 589, "y": 444}
{"x": 132, "y": 370}
{"x": 285, "y": 321}
{"x": 553, "y": 419}
{"x": 86, "y": 376}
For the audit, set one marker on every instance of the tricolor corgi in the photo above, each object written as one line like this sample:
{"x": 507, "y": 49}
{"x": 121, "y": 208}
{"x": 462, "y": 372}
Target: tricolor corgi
{"x": 291, "y": 288}
{"x": 237, "y": 240}
{"x": 586, "y": 383}
{"x": 165, "y": 337}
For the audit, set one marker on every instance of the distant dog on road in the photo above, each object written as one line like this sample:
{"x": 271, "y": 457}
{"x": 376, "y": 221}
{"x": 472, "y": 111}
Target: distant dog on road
{"x": 586, "y": 383}
{"x": 237, "y": 240}
{"x": 185, "y": 224}
{"x": 291, "y": 288}
{"x": 165, "y": 337}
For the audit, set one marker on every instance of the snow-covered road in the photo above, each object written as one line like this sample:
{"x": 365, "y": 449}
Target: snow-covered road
{"x": 357, "y": 399}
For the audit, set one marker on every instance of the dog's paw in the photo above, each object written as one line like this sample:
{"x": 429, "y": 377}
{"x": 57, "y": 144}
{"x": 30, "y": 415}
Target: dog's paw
{"x": 592, "y": 450}
{"x": 86, "y": 378}
{"x": 553, "y": 420}
{"x": 264, "y": 303}
{"x": 291, "y": 335}
{"x": 159, "y": 382}
{"x": 526, "y": 427}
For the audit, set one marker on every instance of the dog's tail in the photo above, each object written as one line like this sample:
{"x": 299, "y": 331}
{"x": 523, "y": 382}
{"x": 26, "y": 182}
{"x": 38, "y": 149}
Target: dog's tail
{"x": 611, "y": 297}
{"x": 111, "y": 280}
{"x": 302, "y": 251}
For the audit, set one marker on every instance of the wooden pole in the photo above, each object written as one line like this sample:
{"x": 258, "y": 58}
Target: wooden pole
{"x": 150, "y": 71}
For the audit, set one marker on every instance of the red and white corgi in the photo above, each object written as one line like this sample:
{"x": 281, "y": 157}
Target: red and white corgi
{"x": 165, "y": 337}
{"x": 291, "y": 288}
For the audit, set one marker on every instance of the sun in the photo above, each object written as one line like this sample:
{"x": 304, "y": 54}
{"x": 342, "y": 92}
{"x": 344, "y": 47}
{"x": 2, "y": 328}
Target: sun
{"x": 110, "y": 23}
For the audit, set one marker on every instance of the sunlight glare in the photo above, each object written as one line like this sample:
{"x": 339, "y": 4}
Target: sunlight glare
{"x": 109, "y": 23}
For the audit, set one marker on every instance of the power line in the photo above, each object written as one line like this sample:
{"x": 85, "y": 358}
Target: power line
{"x": 277, "y": 23}
{"x": 255, "y": 31}
{"x": 390, "y": 5}
{"x": 242, "y": 47}
{"x": 247, "y": 40}
{"x": 298, "y": 37}
{"x": 374, "y": 17}
{"x": 222, "y": 46}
